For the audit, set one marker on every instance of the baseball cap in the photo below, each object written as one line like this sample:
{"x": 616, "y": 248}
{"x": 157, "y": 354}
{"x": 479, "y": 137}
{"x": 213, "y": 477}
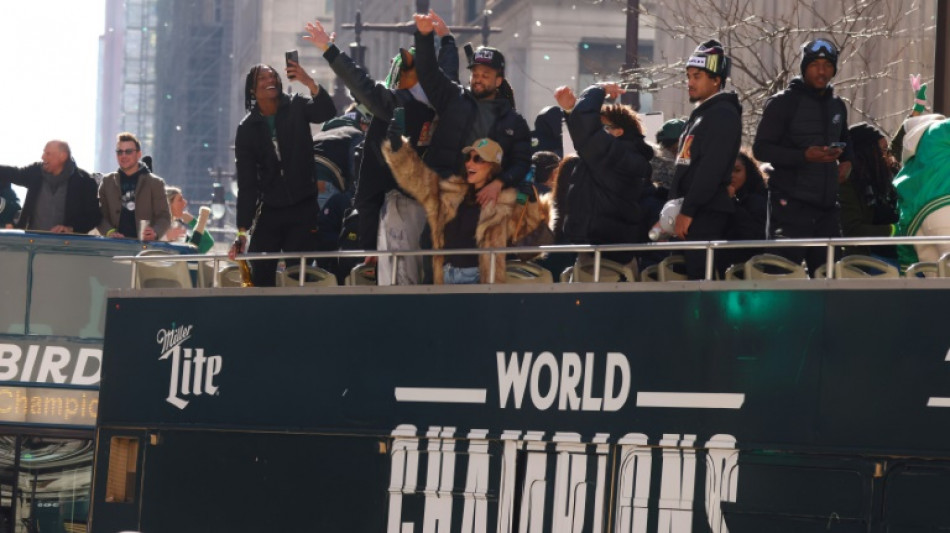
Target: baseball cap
{"x": 487, "y": 149}
{"x": 490, "y": 57}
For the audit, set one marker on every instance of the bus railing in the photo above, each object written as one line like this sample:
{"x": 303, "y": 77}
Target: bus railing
{"x": 597, "y": 251}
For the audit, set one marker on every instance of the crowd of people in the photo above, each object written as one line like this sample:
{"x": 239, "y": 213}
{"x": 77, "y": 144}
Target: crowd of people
{"x": 424, "y": 160}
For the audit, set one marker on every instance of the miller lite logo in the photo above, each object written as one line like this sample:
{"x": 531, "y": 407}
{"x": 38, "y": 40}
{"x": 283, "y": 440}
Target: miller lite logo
{"x": 192, "y": 373}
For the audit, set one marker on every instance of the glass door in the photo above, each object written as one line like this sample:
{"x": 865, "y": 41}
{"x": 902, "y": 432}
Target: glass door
{"x": 53, "y": 481}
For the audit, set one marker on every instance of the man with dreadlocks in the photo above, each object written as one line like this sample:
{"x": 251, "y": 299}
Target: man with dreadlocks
{"x": 389, "y": 219}
{"x": 273, "y": 152}
{"x": 485, "y": 109}
{"x": 603, "y": 199}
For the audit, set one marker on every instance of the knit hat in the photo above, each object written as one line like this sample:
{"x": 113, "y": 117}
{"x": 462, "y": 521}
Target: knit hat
{"x": 490, "y": 57}
{"x": 915, "y": 127}
{"x": 710, "y": 57}
{"x": 671, "y": 131}
{"x": 487, "y": 149}
{"x": 819, "y": 49}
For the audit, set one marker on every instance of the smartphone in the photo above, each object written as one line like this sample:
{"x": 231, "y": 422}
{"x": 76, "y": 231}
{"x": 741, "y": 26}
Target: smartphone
{"x": 399, "y": 114}
{"x": 291, "y": 56}
{"x": 838, "y": 144}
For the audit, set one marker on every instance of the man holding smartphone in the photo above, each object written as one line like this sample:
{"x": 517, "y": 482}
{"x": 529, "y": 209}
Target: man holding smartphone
{"x": 804, "y": 135}
{"x": 273, "y": 151}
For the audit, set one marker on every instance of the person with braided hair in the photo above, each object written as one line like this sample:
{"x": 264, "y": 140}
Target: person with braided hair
{"x": 273, "y": 149}
{"x": 484, "y": 109}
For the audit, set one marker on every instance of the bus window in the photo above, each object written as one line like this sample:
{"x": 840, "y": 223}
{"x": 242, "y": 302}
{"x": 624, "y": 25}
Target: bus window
{"x": 123, "y": 458}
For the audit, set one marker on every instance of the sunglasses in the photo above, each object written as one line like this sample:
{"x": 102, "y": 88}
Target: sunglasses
{"x": 127, "y": 151}
{"x": 473, "y": 156}
{"x": 822, "y": 44}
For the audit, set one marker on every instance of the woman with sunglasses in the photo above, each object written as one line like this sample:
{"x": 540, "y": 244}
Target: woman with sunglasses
{"x": 455, "y": 217}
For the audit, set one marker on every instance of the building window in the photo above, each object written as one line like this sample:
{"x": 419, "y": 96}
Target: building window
{"x": 123, "y": 460}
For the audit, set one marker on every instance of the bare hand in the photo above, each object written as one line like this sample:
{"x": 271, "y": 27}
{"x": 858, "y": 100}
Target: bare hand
{"x": 318, "y": 35}
{"x": 148, "y": 234}
{"x": 441, "y": 28}
{"x": 116, "y": 235}
{"x": 612, "y": 89}
{"x": 175, "y": 233}
{"x": 371, "y": 260}
{"x": 424, "y": 23}
{"x": 489, "y": 193}
{"x": 822, "y": 154}
{"x": 565, "y": 98}
{"x": 237, "y": 247}
{"x": 681, "y": 225}
{"x": 61, "y": 229}
{"x": 297, "y": 73}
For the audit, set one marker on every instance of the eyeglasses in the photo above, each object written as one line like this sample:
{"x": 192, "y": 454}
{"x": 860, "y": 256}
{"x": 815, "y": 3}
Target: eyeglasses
{"x": 473, "y": 156}
{"x": 817, "y": 46}
{"x": 610, "y": 127}
{"x": 127, "y": 151}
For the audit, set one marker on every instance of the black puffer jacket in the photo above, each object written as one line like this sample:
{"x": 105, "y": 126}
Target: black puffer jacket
{"x": 707, "y": 153}
{"x": 262, "y": 176}
{"x": 458, "y": 108}
{"x": 605, "y": 186}
{"x": 792, "y": 121}
{"x": 375, "y": 178}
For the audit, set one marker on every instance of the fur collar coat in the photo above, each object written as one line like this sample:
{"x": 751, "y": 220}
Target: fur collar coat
{"x": 498, "y": 224}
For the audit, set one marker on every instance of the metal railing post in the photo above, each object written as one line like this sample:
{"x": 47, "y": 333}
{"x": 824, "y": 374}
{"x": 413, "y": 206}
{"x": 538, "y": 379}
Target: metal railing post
{"x": 830, "y": 261}
{"x": 596, "y": 265}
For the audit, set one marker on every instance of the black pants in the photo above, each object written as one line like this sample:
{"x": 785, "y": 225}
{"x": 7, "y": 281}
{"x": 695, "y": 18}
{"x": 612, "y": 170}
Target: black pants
{"x": 792, "y": 219}
{"x": 706, "y": 226}
{"x": 282, "y": 229}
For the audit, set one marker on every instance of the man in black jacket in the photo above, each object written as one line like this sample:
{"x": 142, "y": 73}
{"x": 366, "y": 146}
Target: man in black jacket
{"x": 603, "y": 198}
{"x": 707, "y": 153}
{"x": 389, "y": 219}
{"x": 273, "y": 152}
{"x": 804, "y": 135}
{"x": 60, "y": 197}
{"x": 484, "y": 109}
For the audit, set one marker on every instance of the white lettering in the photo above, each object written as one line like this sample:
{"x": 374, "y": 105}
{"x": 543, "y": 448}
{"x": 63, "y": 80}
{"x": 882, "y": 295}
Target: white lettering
{"x": 9, "y": 357}
{"x": 475, "y": 512}
{"x": 543, "y": 402}
{"x": 616, "y": 361}
{"x": 28, "y": 364}
{"x": 82, "y": 374}
{"x": 535, "y": 484}
{"x": 722, "y": 478}
{"x": 636, "y": 463}
{"x": 570, "y": 379}
{"x": 55, "y": 358}
{"x": 440, "y": 479}
{"x": 570, "y": 482}
{"x": 192, "y": 374}
{"x": 403, "y": 474}
{"x": 591, "y": 403}
{"x": 512, "y": 376}
{"x": 677, "y": 484}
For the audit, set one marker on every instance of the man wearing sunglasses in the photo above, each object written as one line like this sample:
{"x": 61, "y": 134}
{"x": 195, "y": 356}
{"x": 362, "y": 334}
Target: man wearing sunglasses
{"x": 804, "y": 135}
{"x": 133, "y": 200}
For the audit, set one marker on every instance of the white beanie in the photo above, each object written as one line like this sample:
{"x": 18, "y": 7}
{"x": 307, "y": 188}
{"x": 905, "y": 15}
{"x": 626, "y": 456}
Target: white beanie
{"x": 914, "y": 129}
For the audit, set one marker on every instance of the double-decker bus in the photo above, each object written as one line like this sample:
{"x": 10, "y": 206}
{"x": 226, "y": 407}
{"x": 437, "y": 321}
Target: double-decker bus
{"x": 742, "y": 405}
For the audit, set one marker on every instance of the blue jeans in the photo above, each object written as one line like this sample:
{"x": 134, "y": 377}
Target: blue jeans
{"x": 459, "y": 276}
